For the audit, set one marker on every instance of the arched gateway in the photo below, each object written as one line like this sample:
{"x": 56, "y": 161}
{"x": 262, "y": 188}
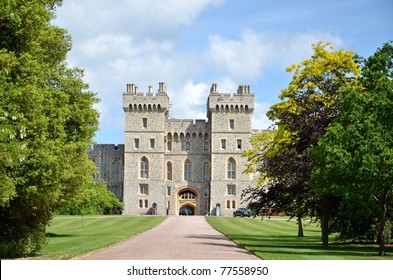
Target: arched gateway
{"x": 187, "y": 201}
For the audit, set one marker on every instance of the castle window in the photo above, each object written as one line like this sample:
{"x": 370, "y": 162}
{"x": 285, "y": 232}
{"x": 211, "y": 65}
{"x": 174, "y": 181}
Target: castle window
{"x": 144, "y": 123}
{"x": 206, "y": 171}
{"x": 152, "y": 144}
{"x": 223, "y": 144}
{"x": 187, "y": 170}
{"x": 228, "y": 204}
{"x": 169, "y": 145}
{"x": 146, "y": 203}
{"x": 116, "y": 190}
{"x": 206, "y": 147}
{"x": 136, "y": 143}
{"x": 144, "y": 168}
{"x": 233, "y": 204}
{"x": 231, "y": 190}
{"x": 140, "y": 203}
{"x": 115, "y": 171}
{"x": 231, "y": 124}
{"x": 168, "y": 191}
{"x": 239, "y": 144}
{"x": 188, "y": 146}
{"x": 143, "y": 189}
{"x": 169, "y": 170}
{"x": 231, "y": 169}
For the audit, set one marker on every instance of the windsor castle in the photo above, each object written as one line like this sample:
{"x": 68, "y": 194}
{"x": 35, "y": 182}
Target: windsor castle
{"x": 179, "y": 166}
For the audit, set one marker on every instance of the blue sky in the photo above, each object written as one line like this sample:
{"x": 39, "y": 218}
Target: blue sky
{"x": 189, "y": 44}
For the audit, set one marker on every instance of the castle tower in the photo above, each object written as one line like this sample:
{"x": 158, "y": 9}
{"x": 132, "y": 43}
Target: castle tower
{"x": 181, "y": 166}
{"x": 145, "y": 116}
{"x": 230, "y": 116}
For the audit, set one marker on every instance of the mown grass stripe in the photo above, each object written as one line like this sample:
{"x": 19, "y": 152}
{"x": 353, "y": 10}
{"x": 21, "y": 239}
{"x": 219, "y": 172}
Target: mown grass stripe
{"x": 70, "y": 236}
{"x": 277, "y": 240}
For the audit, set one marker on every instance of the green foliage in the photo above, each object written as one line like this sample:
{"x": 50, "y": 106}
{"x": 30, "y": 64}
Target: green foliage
{"x": 307, "y": 108}
{"x": 95, "y": 199}
{"x": 47, "y": 122}
{"x": 354, "y": 160}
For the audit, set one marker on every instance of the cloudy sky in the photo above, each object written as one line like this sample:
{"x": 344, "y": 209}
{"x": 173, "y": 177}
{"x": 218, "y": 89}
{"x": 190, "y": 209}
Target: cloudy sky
{"x": 189, "y": 44}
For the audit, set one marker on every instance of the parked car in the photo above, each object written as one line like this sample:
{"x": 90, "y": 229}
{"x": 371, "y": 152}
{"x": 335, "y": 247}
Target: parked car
{"x": 242, "y": 212}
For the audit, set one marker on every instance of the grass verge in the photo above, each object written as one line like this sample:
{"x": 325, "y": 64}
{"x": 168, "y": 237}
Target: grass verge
{"x": 70, "y": 236}
{"x": 276, "y": 239}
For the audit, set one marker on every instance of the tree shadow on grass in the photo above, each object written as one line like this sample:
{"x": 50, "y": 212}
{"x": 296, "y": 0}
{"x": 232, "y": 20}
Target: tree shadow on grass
{"x": 292, "y": 247}
{"x": 54, "y": 235}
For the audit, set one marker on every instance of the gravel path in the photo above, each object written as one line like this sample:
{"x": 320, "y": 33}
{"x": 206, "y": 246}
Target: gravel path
{"x": 177, "y": 238}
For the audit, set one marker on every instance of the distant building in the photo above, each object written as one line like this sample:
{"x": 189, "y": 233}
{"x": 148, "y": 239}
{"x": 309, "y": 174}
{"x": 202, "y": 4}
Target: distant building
{"x": 179, "y": 166}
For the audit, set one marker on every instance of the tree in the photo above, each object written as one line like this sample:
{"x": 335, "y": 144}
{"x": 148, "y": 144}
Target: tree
{"x": 308, "y": 107}
{"x": 96, "y": 199}
{"x": 47, "y": 122}
{"x": 354, "y": 159}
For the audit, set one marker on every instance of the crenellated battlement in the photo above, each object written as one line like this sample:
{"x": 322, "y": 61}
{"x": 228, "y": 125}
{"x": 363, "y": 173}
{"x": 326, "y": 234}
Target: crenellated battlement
{"x": 136, "y": 101}
{"x": 240, "y": 102}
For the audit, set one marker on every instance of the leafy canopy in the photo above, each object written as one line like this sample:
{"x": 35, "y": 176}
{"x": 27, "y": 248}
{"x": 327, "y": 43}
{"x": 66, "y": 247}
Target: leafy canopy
{"x": 47, "y": 122}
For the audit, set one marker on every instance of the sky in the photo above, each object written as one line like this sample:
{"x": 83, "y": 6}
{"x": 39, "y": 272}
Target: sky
{"x": 190, "y": 44}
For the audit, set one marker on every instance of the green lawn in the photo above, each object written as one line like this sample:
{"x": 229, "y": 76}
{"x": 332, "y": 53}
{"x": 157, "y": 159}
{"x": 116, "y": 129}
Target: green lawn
{"x": 276, "y": 239}
{"x": 70, "y": 236}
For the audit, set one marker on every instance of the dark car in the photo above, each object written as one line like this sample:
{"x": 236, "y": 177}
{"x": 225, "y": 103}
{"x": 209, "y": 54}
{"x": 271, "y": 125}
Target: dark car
{"x": 242, "y": 212}
{"x": 186, "y": 211}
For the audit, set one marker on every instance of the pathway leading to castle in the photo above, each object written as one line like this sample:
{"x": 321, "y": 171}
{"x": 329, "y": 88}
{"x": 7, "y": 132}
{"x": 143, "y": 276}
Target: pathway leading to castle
{"x": 177, "y": 238}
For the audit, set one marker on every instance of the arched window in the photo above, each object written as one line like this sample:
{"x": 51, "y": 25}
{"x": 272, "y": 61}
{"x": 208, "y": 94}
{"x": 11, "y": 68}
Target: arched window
{"x": 169, "y": 170}
{"x": 146, "y": 203}
{"x": 116, "y": 171}
{"x": 206, "y": 147}
{"x": 231, "y": 169}
{"x": 188, "y": 146}
{"x": 187, "y": 170}
{"x": 228, "y": 204}
{"x": 233, "y": 204}
{"x": 144, "y": 168}
{"x": 206, "y": 171}
{"x": 140, "y": 203}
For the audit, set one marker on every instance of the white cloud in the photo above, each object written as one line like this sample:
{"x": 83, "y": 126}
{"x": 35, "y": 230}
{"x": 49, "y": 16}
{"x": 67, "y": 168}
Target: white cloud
{"x": 138, "y": 42}
{"x": 147, "y": 18}
{"x": 242, "y": 59}
{"x": 260, "y": 120}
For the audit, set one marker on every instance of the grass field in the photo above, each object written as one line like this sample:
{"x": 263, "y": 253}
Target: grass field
{"x": 276, "y": 239}
{"x": 70, "y": 236}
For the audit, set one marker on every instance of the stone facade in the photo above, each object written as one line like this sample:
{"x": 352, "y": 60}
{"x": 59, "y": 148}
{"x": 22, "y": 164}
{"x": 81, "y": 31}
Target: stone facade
{"x": 179, "y": 166}
{"x": 109, "y": 160}
{"x": 185, "y": 166}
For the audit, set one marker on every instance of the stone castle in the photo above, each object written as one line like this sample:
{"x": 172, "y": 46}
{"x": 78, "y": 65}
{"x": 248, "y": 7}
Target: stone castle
{"x": 179, "y": 166}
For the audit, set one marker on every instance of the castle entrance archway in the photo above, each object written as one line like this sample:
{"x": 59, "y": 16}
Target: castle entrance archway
{"x": 187, "y": 201}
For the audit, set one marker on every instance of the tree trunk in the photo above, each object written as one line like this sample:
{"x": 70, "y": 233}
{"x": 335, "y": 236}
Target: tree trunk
{"x": 299, "y": 227}
{"x": 382, "y": 224}
{"x": 325, "y": 230}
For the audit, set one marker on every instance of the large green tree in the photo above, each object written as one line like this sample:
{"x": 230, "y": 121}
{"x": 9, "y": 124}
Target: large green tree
{"x": 354, "y": 160}
{"x": 47, "y": 122}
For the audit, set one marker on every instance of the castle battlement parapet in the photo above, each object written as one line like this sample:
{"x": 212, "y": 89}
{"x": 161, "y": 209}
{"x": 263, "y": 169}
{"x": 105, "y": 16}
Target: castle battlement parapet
{"x": 135, "y": 101}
